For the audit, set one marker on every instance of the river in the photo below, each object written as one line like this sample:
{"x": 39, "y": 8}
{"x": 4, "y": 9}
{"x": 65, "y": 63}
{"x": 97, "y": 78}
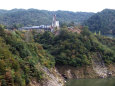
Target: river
{"x": 92, "y": 82}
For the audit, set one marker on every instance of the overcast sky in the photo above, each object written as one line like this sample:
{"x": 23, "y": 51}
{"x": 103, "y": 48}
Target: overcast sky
{"x": 52, "y": 5}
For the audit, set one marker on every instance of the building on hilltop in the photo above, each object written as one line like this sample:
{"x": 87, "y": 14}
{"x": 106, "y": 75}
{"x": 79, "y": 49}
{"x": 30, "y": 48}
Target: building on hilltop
{"x": 55, "y": 24}
{"x": 41, "y": 27}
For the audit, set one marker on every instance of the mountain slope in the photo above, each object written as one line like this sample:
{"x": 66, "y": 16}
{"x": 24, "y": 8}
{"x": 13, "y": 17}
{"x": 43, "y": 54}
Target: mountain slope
{"x": 77, "y": 50}
{"x": 103, "y": 21}
{"x": 23, "y": 60}
{"x": 71, "y": 48}
{"x": 37, "y": 17}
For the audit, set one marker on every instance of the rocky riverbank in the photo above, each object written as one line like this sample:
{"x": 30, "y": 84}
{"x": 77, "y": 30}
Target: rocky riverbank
{"x": 51, "y": 78}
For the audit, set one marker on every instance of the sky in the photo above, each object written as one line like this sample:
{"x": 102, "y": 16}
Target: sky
{"x": 53, "y": 5}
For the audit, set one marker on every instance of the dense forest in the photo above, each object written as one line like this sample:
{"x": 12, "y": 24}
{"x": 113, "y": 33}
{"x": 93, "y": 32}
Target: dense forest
{"x": 103, "y": 21}
{"x": 21, "y": 60}
{"x": 24, "y": 53}
{"x": 22, "y": 17}
{"x": 71, "y": 48}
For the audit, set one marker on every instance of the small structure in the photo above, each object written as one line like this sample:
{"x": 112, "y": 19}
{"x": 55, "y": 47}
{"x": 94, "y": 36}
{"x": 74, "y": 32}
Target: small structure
{"x": 41, "y": 27}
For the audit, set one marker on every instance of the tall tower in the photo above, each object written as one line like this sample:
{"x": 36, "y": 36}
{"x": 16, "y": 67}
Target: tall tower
{"x": 54, "y": 21}
{"x": 55, "y": 24}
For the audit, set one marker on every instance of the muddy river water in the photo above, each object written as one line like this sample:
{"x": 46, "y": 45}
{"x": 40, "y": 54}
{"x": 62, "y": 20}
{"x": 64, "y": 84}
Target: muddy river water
{"x": 92, "y": 82}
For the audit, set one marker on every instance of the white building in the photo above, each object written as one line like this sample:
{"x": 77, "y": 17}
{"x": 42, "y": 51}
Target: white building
{"x": 55, "y": 23}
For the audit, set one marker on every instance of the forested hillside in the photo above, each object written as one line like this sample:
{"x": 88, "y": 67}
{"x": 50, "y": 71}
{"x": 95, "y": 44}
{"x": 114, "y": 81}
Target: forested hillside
{"x": 71, "y": 48}
{"x": 27, "y": 55}
{"x": 21, "y": 61}
{"x": 103, "y": 21}
{"x": 22, "y": 17}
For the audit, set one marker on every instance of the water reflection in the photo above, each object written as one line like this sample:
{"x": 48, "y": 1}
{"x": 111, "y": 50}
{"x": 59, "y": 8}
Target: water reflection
{"x": 92, "y": 82}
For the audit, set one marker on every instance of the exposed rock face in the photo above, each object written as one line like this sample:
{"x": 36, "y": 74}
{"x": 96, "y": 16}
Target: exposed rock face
{"x": 99, "y": 66}
{"x": 111, "y": 70}
{"x": 69, "y": 72}
{"x": 97, "y": 69}
{"x": 53, "y": 78}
